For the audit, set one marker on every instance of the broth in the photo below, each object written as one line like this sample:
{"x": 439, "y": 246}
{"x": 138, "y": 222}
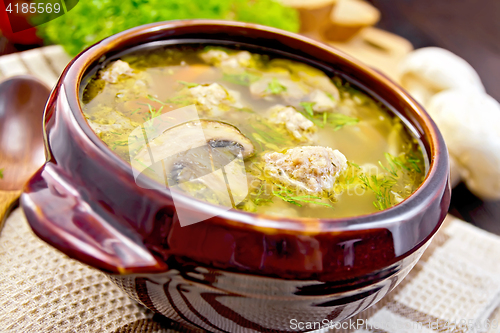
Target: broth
{"x": 310, "y": 145}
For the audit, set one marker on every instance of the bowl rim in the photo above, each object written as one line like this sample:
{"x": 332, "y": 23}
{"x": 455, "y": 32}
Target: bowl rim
{"x": 421, "y": 198}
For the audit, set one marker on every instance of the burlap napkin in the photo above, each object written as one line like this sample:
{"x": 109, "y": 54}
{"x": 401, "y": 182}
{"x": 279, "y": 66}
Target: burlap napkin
{"x": 455, "y": 287}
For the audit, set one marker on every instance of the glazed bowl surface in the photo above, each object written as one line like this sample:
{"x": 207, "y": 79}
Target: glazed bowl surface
{"x": 237, "y": 271}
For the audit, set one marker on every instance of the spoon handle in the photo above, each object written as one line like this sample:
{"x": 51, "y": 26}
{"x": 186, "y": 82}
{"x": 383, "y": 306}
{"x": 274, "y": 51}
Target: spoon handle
{"x": 7, "y": 201}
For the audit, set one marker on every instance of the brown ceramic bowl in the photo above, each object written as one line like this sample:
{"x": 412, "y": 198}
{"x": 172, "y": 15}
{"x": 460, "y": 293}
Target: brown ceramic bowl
{"x": 238, "y": 271}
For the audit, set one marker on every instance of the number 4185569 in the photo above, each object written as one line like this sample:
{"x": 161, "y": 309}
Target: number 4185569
{"x": 33, "y": 8}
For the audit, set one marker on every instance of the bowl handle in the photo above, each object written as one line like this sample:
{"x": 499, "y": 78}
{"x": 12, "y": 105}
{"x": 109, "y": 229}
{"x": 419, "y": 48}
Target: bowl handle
{"x": 60, "y": 215}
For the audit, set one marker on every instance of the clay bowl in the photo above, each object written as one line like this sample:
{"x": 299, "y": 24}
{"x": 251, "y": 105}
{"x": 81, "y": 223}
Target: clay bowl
{"x": 236, "y": 271}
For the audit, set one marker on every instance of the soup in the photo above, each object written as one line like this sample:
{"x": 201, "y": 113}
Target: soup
{"x": 253, "y": 132}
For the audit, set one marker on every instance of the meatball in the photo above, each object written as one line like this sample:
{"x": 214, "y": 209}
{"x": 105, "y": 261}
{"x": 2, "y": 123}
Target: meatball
{"x": 312, "y": 169}
{"x": 215, "y": 98}
{"x": 296, "y": 124}
{"x": 113, "y": 72}
{"x": 322, "y": 102}
{"x": 228, "y": 62}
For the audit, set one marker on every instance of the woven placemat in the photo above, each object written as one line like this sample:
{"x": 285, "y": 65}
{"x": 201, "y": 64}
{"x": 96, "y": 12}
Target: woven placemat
{"x": 42, "y": 290}
{"x": 455, "y": 287}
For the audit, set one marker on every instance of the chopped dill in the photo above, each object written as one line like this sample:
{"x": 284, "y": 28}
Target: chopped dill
{"x": 245, "y": 109}
{"x": 133, "y": 112}
{"x": 259, "y": 196}
{"x": 353, "y": 164}
{"x": 243, "y": 79}
{"x": 152, "y": 98}
{"x": 403, "y": 161}
{"x": 308, "y": 107}
{"x": 339, "y": 120}
{"x": 1, "y": 173}
{"x": 268, "y": 134}
{"x": 123, "y": 143}
{"x": 396, "y": 168}
{"x": 287, "y": 196}
{"x": 180, "y": 100}
{"x": 119, "y": 143}
{"x": 266, "y": 143}
{"x": 381, "y": 187}
{"x": 275, "y": 87}
{"x": 189, "y": 84}
{"x": 312, "y": 118}
{"x": 153, "y": 112}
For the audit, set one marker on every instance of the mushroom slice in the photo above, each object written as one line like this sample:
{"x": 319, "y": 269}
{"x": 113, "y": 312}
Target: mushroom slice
{"x": 187, "y": 136}
{"x": 202, "y": 158}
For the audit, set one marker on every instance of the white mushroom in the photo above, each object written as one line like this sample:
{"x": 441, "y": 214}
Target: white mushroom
{"x": 470, "y": 123}
{"x": 113, "y": 72}
{"x": 191, "y": 135}
{"x": 312, "y": 169}
{"x": 429, "y": 70}
{"x": 201, "y": 158}
{"x": 295, "y": 123}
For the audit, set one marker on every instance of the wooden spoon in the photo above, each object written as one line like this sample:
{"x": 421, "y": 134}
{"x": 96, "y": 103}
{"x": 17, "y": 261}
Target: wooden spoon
{"x": 22, "y": 100}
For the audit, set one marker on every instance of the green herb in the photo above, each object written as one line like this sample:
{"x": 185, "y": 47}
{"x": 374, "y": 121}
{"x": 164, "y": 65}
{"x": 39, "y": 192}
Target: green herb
{"x": 287, "y": 195}
{"x": 119, "y": 143}
{"x": 413, "y": 162}
{"x": 275, "y": 87}
{"x": 152, "y": 98}
{"x": 133, "y": 112}
{"x": 331, "y": 96}
{"x": 189, "y": 84}
{"x": 260, "y": 195}
{"x": 180, "y": 100}
{"x": 267, "y": 135}
{"x": 244, "y": 79}
{"x": 266, "y": 143}
{"x": 1, "y": 173}
{"x": 354, "y": 164}
{"x": 391, "y": 169}
{"x": 382, "y": 189}
{"x": 314, "y": 119}
{"x": 397, "y": 168}
{"x": 308, "y": 107}
{"x": 153, "y": 113}
{"x": 78, "y": 28}
{"x": 339, "y": 120}
{"x": 404, "y": 161}
{"x": 245, "y": 109}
